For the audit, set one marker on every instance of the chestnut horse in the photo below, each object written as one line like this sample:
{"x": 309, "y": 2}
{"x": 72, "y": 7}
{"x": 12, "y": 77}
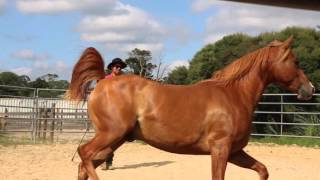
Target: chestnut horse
{"x": 211, "y": 117}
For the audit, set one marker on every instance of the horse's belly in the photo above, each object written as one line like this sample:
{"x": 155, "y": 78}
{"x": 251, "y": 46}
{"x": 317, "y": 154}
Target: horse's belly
{"x": 172, "y": 140}
{"x": 192, "y": 148}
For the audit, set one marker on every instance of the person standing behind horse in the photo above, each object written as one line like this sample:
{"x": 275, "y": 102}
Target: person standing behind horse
{"x": 115, "y": 67}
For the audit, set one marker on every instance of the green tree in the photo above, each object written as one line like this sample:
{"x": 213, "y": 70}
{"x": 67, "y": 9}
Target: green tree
{"x": 140, "y": 62}
{"x": 10, "y": 78}
{"x": 215, "y": 56}
{"x": 24, "y": 79}
{"x": 58, "y": 84}
{"x": 47, "y": 82}
{"x": 178, "y": 76}
{"x": 39, "y": 83}
{"x": 49, "y": 77}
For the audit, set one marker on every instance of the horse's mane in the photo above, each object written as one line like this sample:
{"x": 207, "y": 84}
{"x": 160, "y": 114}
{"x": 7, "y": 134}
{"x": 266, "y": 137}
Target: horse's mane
{"x": 241, "y": 67}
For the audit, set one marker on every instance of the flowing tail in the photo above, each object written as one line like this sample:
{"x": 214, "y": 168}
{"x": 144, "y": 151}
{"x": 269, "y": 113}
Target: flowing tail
{"x": 89, "y": 67}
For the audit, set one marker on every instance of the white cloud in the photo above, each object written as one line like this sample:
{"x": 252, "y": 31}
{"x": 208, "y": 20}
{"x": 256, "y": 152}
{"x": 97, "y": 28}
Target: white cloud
{"x": 60, "y": 6}
{"x": 182, "y": 33}
{"x": 254, "y": 19}
{"x": 178, "y": 63}
{"x": 40, "y": 68}
{"x": 2, "y": 6}
{"x": 134, "y": 19}
{"x": 27, "y": 54}
{"x": 107, "y": 37}
{"x": 117, "y": 26}
{"x": 155, "y": 48}
{"x": 22, "y": 71}
{"x": 41, "y": 65}
{"x": 125, "y": 31}
{"x": 202, "y": 5}
{"x": 62, "y": 69}
{"x": 44, "y": 6}
{"x": 61, "y": 66}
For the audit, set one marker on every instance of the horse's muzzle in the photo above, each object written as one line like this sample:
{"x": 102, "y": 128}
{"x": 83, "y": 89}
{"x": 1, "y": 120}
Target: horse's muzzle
{"x": 306, "y": 91}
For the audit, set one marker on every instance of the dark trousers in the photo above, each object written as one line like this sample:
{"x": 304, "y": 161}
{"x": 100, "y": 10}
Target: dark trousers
{"x": 109, "y": 160}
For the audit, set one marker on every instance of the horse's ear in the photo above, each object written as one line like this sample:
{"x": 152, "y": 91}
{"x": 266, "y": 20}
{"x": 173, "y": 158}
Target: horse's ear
{"x": 275, "y": 43}
{"x": 285, "y": 51}
{"x": 287, "y": 43}
{"x": 285, "y": 55}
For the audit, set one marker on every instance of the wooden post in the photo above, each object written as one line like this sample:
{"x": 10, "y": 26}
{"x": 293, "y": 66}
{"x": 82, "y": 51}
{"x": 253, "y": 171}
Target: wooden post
{"x": 40, "y": 116}
{"x": 6, "y": 111}
{"x": 3, "y": 120}
{"x": 61, "y": 123}
{"x": 34, "y": 120}
{"x": 52, "y": 117}
{"x": 45, "y": 123}
{"x": 76, "y": 114}
{"x": 37, "y": 116}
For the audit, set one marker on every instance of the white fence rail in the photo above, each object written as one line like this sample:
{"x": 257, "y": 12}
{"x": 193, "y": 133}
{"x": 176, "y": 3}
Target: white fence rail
{"x": 41, "y": 112}
{"x": 302, "y": 118}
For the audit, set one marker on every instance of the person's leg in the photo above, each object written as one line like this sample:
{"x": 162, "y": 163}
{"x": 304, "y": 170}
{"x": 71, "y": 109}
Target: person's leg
{"x": 110, "y": 161}
{"x": 108, "y": 164}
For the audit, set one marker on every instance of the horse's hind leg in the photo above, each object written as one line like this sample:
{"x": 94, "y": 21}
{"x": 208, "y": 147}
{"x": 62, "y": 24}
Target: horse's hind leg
{"x": 244, "y": 160}
{"x": 82, "y": 173}
{"x": 88, "y": 152}
{"x": 112, "y": 121}
{"x": 102, "y": 155}
{"x": 98, "y": 159}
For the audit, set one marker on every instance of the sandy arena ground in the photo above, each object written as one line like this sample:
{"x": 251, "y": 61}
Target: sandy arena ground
{"x": 141, "y": 162}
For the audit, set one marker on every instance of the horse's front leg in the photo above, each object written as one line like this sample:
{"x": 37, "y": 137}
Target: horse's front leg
{"x": 220, "y": 150}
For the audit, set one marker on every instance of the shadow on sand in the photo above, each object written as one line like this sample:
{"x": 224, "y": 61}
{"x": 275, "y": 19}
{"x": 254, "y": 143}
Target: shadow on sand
{"x": 149, "y": 164}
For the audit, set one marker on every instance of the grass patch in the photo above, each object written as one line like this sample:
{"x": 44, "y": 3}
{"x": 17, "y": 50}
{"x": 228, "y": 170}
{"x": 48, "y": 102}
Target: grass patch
{"x": 7, "y": 140}
{"x": 304, "y": 142}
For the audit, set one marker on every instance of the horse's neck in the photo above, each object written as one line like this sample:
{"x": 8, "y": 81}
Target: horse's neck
{"x": 252, "y": 87}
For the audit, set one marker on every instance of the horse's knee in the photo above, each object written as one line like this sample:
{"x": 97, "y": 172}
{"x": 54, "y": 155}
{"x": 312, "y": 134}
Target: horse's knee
{"x": 82, "y": 173}
{"x": 80, "y": 152}
{"x": 263, "y": 172}
{"x": 83, "y": 152}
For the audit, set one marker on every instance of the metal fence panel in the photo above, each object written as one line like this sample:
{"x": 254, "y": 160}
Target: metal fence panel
{"x": 283, "y": 115}
{"x": 43, "y": 112}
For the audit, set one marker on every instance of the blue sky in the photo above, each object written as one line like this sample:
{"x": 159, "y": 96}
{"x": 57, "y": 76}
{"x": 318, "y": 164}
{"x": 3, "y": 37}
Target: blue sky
{"x": 48, "y": 36}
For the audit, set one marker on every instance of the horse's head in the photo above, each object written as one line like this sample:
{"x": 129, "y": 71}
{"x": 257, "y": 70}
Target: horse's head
{"x": 286, "y": 71}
